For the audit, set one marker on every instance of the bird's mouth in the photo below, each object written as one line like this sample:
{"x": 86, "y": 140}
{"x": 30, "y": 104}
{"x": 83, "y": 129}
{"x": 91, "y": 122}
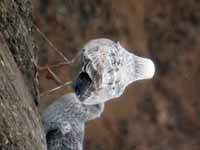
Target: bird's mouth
{"x": 88, "y": 81}
{"x": 82, "y": 85}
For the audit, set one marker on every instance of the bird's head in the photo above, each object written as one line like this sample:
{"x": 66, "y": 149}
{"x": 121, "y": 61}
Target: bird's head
{"x": 107, "y": 69}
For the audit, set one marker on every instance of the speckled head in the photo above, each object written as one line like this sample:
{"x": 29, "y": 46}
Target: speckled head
{"x": 107, "y": 69}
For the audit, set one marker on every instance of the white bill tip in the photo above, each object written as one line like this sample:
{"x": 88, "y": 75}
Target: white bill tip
{"x": 149, "y": 69}
{"x": 145, "y": 68}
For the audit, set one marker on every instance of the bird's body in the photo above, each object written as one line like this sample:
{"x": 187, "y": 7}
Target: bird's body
{"x": 68, "y": 141}
{"x": 64, "y": 122}
{"x": 106, "y": 70}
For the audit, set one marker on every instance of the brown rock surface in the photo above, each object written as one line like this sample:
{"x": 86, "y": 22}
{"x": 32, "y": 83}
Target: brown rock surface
{"x": 20, "y": 123}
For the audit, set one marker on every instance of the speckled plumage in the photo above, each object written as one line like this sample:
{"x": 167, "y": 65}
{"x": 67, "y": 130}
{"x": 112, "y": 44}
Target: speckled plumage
{"x": 64, "y": 122}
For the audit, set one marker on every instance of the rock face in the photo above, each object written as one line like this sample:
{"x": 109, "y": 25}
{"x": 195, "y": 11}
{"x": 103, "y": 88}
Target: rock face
{"x": 20, "y": 125}
{"x": 158, "y": 114}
